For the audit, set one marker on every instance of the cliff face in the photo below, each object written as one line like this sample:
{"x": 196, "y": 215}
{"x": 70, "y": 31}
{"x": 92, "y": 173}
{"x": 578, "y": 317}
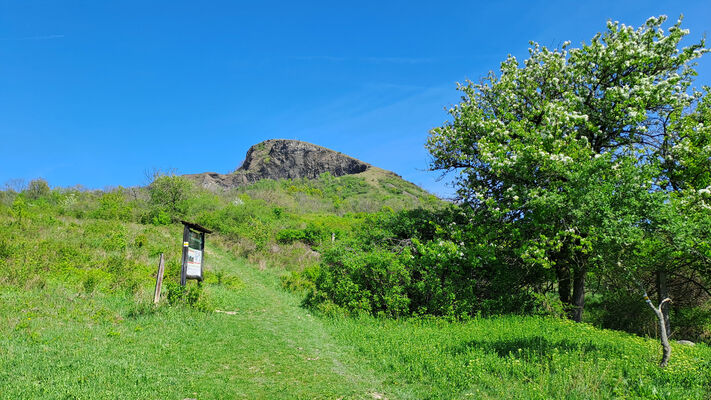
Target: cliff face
{"x": 277, "y": 159}
{"x": 283, "y": 159}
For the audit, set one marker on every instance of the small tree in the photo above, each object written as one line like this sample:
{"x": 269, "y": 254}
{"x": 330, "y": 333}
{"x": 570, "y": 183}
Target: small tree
{"x": 37, "y": 188}
{"x": 169, "y": 193}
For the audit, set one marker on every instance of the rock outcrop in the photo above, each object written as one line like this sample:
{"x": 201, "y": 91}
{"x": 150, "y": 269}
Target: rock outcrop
{"x": 283, "y": 159}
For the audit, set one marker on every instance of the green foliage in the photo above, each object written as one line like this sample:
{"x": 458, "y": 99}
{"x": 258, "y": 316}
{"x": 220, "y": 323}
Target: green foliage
{"x": 96, "y": 255}
{"x": 109, "y": 236}
{"x": 413, "y": 263}
{"x": 692, "y": 322}
{"x": 190, "y": 295}
{"x": 563, "y": 157}
{"x": 159, "y": 217}
{"x": 290, "y": 235}
{"x": 69, "y": 309}
{"x": 566, "y": 174}
{"x": 90, "y": 283}
{"x": 365, "y": 192}
{"x": 278, "y": 212}
{"x": 5, "y": 249}
{"x": 37, "y": 189}
{"x": 113, "y": 206}
{"x": 311, "y": 235}
{"x": 221, "y": 278}
{"x": 174, "y": 293}
{"x": 140, "y": 240}
{"x": 19, "y": 210}
{"x": 361, "y": 282}
{"x": 169, "y": 194}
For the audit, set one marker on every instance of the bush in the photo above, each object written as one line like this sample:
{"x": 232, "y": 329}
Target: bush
{"x": 371, "y": 282}
{"x": 170, "y": 194}
{"x": 414, "y": 263}
{"x": 174, "y": 293}
{"x": 115, "y": 240}
{"x": 190, "y": 295}
{"x": 310, "y": 235}
{"x": 605, "y": 311}
{"x": 140, "y": 240}
{"x": 287, "y": 236}
{"x": 37, "y": 188}
{"x": 113, "y": 206}
{"x": 157, "y": 218}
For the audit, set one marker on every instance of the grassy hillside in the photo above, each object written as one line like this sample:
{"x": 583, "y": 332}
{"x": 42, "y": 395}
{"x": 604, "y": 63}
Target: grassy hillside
{"x": 368, "y": 191}
{"x": 59, "y": 341}
{"x": 76, "y": 279}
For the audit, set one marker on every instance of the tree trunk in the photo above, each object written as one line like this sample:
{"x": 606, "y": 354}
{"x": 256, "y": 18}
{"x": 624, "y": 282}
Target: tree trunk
{"x": 663, "y": 293}
{"x": 578, "y": 294}
{"x": 562, "y": 273}
{"x": 666, "y": 349}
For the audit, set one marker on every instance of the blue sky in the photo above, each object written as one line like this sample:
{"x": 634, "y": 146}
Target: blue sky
{"x": 96, "y": 93}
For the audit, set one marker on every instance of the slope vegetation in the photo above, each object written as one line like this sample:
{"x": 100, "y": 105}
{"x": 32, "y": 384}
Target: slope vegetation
{"x": 76, "y": 322}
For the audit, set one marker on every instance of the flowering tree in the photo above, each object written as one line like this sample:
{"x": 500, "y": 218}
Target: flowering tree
{"x": 561, "y": 153}
{"x": 681, "y": 238}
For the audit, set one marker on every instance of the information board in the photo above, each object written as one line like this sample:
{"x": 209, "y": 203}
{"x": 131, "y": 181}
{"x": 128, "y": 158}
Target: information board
{"x": 194, "y": 267}
{"x": 193, "y": 252}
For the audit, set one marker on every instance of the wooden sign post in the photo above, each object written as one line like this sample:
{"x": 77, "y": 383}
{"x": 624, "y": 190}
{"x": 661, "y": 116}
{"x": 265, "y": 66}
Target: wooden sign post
{"x": 193, "y": 252}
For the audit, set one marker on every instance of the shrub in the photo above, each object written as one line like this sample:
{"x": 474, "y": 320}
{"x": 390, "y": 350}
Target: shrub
{"x": 362, "y": 282}
{"x": 174, "y": 293}
{"x": 287, "y": 236}
{"x": 311, "y": 235}
{"x": 170, "y": 193}
{"x": 413, "y": 263}
{"x": 190, "y": 295}
{"x": 113, "y": 206}
{"x": 140, "y": 240}
{"x": 115, "y": 240}
{"x": 159, "y": 217}
{"x": 37, "y": 188}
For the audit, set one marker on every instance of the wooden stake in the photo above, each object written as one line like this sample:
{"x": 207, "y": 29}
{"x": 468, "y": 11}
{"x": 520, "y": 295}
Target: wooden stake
{"x": 159, "y": 279}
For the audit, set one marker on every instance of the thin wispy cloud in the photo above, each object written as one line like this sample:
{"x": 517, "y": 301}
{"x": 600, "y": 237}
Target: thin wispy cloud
{"x": 397, "y": 60}
{"x": 36, "y": 37}
{"x": 372, "y": 60}
{"x": 320, "y": 58}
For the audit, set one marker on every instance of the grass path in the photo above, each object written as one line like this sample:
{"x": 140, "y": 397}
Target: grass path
{"x": 58, "y": 345}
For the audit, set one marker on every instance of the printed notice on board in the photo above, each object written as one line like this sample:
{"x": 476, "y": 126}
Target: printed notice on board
{"x": 194, "y": 262}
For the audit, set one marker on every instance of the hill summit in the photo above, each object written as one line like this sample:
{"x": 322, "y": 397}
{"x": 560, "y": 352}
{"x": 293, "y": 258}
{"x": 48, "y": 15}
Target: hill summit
{"x": 283, "y": 159}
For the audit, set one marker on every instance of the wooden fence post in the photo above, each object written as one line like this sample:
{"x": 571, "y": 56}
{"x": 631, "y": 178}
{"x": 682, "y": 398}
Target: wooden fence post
{"x": 159, "y": 279}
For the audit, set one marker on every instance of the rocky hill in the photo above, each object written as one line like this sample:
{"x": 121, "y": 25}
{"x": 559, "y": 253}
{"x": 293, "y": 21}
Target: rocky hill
{"x": 283, "y": 159}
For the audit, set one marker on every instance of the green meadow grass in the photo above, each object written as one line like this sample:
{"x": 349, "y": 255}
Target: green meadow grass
{"x": 64, "y": 339}
{"x": 522, "y": 358}
{"x": 58, "y": 344}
